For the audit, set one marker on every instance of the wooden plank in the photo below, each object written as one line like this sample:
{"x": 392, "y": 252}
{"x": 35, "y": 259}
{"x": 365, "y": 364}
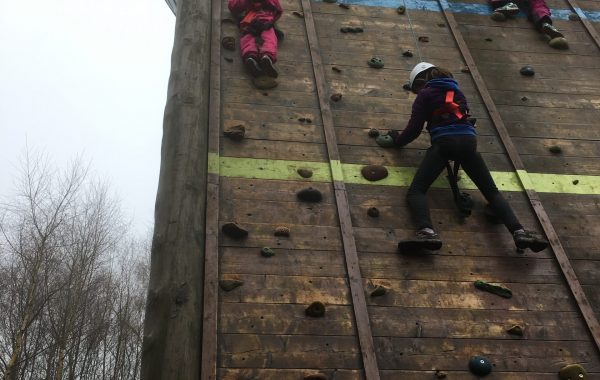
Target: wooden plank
{"x": 534, "y": 58}
{"x": 305, "y": 133}
{"x": 278, "y": 191}
{"x": 541, "y": 99}
{"x": 516, "y": 23}
{"x": 265, "y": 114}
{"x": 281, "y": 213}
{"x": 278, "y": 374}
{"x": 276, "y": 150}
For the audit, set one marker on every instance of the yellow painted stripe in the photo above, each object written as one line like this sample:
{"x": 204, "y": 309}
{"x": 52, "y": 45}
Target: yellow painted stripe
{"x": 402, "y": 176}
{"x": 336, "y": 170}
{"x": 213, "y": 163}
{"x": 525, "y": 179}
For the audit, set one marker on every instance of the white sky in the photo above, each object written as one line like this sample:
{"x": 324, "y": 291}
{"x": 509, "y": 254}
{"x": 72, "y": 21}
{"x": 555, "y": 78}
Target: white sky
{"x": 87, "y": 77}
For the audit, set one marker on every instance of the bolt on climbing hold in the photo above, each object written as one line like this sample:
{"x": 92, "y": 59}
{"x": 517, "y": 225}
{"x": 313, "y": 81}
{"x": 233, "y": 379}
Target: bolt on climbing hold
{"x": 235, "y": 132}
{"x": 480, "y": 365}
{"x": 407, "y": 53}
{"x": 374, "y": 172}
{"x": 336, "y": 69}
{"x": 465, "y": 70}
{"x": 267, "y": 252}
{"x": 441, "y": 24}
{"x": 264, "y": 82}
{"x": 440, "y": 374}
{"x": 234, "y": 231}
{"x": 555, "y": 149}
{"x": 494, "y": 289}
{"x": 373, "y": 212}
{"x": 527, "y": 71}
{"x": 310, "y": 195}
{"x": 304, "y": 173}
{"x": 315, "y": 376}
{"x": 282, "y": 231}
{"x": 574, "y": 17}
{"x": 228, "y": 43}
{"x": 373, "y": 132}
{"x": 488, "y": 39}
{"x": 376, "y": 62}
{"x": 384, "y": 141}
{"x": 315, "y": 310}
{"x": 229, "y": 285}
{"x": 299, "y": 14}
{"x": 524, "y": 99}
{"x": 330, "y": 1}
{"x": 228, "y": 59}
{"x": 423, "y": 39}
{"x": 515, "y": 330}
{"x": 401, "y": 10}
{"x": 575, "y": 181}
{"x": 560, "y": 43}
{"x": 344, "y": 6}
{"x": 379, "y": 291}
{"x": 336, "y": 97}
{"x": 572, "y": 372}
{"x": 406, "y": 86}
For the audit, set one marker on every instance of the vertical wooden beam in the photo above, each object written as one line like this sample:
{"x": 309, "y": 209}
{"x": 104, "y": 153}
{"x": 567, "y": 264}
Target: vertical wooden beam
{"x": 172, "y": 327}
{"x": 359, "y": 303}
{"x": 534, "y": 199}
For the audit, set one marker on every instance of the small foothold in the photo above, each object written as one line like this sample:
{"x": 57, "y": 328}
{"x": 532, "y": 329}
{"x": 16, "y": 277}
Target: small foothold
{"x": 299, "y": 14}
{"x": 228, "y": 59}
{"x": 336, "y": 69}
{"x": 555, "y": 149}
{"x": 376, "y": 62}
{"x": 373, "y": 132}
{"x": 401, "y": 10}
{"x": 234, "y": 231}
{"x": 235, "y": 132}
{"x": 267, "y": 252}
{"x": 572, "y": 372}
{"x": 574, "y": 17}
{"x": 559, "y": 43}
{"x": 498, "y": 16}
{"x": 344, "y": 6}
{"x": 480, "y": 366}
{"x": 310, "y": 195}
{"x": 441, "y": 24}
{"x": 515, "y": 330}
{"x": 494, "y": 289}
{"x": 282, "y": 231}
{"x": 373, "y": 212}
{"x": 423, "y": 39}
{"x": 315, "y": 376}
{"x": 440, "y": 374}
{"x": 228, "y": 43}
{"x": 575, "y": 181}
{"x": 345, "y": 29}
{"x": 374, "y": 172}
{"x": 488, "y": 39}
{"x": 229, "y": 285}
{"x": 336, "y": 97}
{"x": 527, "y": 71}
{"x": 407, "y": 53}
{"x": 524, "y": 99}
{"x": 406, "y": 86}
{"x": 379, "y": 291}
{"x": 384, "y": 141}
{"x": 315, "y": 310}
{"x": 330, "y": 1}
{"x": 465, "y": 70}
{"x": 305, "y": 173}
{"x": 308, "y": 121}
{"x": 264, "y": 82}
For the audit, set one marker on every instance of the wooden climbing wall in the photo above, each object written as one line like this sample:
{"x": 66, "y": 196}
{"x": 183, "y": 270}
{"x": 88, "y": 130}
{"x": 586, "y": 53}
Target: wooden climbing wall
{"x": 432, "y": 318}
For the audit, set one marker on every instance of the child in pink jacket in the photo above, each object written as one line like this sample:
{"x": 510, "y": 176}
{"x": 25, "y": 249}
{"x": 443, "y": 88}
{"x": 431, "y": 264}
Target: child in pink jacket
{"x": 258, "y": 41}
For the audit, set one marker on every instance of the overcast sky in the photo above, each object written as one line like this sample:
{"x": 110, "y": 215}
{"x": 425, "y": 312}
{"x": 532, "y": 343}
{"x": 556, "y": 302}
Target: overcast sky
{"x": 87, "y": 77}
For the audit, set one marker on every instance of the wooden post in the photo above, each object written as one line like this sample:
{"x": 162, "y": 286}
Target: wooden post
{"x": 173, "y": 324}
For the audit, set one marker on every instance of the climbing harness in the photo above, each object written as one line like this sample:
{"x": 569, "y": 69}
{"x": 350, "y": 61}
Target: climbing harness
{"x": 449, "y": 108}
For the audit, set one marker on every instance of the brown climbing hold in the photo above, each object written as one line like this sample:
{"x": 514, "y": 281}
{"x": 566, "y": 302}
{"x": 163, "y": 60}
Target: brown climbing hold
{"x": 574, "y": 17}
{"x": 559, "y": 43}
{"x": 310, "y": 195}
{"x": 235, "y": 132}
{"x": 440, "y": 374}
{"x": 575, "y": 181}
{"x": 299, "y": 14}
{"x": 234, "y": 231}
{"x": 572, "y": 372}
{"x": 264, "y": 82}
{"x": 373, "y": 212}
{"x": 373, "y": 132}
{"x": 401, "y": 10}
{"x": 302, "y": 119}
{"x": 308, "y": 121}
{"x": 465, "y": 70}
{"x": 305, "y": 173}
{"x": 374, "y": 172}
{"x": 228, "y": 43}
{"x": 228, "y": 59}
{"x": 379, "y": 291}
{"x": 315, "y": 376}
{"x": 515, "y": 330}
{"x": 423, "y": 39}
{"x": 336, "y": 97}
{"x": 229, "y": 285}
{"x": 282, "y": 231}
{"x": 344, "y": 6}
{"x": 407, "y": 53}
{"x": 488, "y": 39}
{"x": 555, "y": 149}
{"x": 524, "y": 99}
{"x": 315, "y": 309}
{"x": 441, "y": 24}
{"x": 336, "y": 69}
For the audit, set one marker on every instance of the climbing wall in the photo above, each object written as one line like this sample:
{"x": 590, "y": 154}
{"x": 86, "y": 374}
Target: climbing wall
{"x": 431, "y": 319}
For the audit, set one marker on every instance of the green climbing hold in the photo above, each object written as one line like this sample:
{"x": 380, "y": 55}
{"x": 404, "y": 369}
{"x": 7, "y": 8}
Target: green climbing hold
{"x": 267, "y": 252}
{"x": 376, "y": 62}
{"x": 384, "y": 141}
{"x": 480, "y": 365}
{"x": 572, "y": 372}
{"x": 494, "y": 289}
{"x": 559, "y": 43}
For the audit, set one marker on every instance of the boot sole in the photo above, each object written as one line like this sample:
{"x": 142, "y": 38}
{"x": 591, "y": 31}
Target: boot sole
{"x": 252, "y": 69}
{"x": 268, "y": 69}
{"x": 413, "y": 245}
{"x": 535, "y": 246}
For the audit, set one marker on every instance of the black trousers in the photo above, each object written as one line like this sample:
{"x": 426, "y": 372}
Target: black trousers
{"x": 464, "y": 150}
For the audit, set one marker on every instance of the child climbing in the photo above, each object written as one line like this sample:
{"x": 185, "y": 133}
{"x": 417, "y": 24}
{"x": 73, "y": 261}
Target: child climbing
{"x": 537, "y": 11}
{"x": 441, "y": 104}
{"x": 258, "y": 41}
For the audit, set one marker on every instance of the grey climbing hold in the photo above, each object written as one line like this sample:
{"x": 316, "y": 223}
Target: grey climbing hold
{"x": 572, "y": 372}
{"x": 423, "y": 39}
{"x": 401, "y": 10}
{"x": 373, "y": 132}
{"x": 488, "y": 39}
{"x": 299, "y": 14}
{"x": 407, "y": 53}
{"x": 228, "y": 43}
{"x": 350, "y": 29}
{"x": 480, "y": 365}
{"x": 384, "y": 141}
{"x": 264, "y": 82}
{"x": 524, "y": 99}
{"x": 344, "y": 6}
{"x": 234, "y": 231}
{"x": 379, "y": 291}
{"x": 560, "y": 43}
{"x": 574, "y": 17}
{"x": 336, "y": 97}
{"x": 374, "y": 172}
{"x": 310, "y": 195}
{"x": 575, "y": 181}
{"x": 305, "y": 173}
{"x": 330, "y": 1}
{"x": 527, "y": 71}
{"x": 229, "y": 285}
{"x": 465, "y": 70}
{"x": 555, "y": 149}
{"x": 336, "y": 69}
{"x": 376, "y": 62}
{"x": 267, "y": 252}
{"x": 515, "y": 330}
{"x": 282, "y": 231}
{"x": 441, "y": 24}
{"x": 315, "y": 309}
{"x": 373, "y": 212}
{"x": 228, "y": 59}
{"x": 440, "y": 374}
{"x": 494, "y": 289}
{"x": 235, "y": 132}
{"x": 498, "y": 16}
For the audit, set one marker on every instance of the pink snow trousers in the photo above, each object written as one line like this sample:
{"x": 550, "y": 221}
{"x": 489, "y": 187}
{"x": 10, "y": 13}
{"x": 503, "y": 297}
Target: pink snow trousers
{"x": 250, "y": 48}
{"x": 536, "y": 10}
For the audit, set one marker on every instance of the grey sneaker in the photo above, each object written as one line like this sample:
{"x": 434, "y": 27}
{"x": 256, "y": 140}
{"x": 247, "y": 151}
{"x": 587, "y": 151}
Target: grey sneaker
{"x": 421, "y": 240}
{"x": 551, "y": 31}
{"x": 526, "y": 239}
{"x": 252, "y": 66}
{"x": 508, "y": 10}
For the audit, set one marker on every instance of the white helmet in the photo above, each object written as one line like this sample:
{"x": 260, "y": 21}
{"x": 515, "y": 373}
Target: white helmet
{"x": 418, "y": 69}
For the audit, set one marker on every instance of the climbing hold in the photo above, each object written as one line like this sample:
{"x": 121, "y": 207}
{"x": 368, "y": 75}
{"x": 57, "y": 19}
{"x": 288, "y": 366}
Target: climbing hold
{"x": 235, "y": 132}
{"x": 555, "y": 149}
{"x": 498, "y": 16}
{"x": 465, "y": 70}
{"x": 305, "y": 173}
{"x": 234, "y": 231}
{"x": 315, "y": 310}
{"x": 423, "y": 39}
{"x": 302, "y": 119}
{"x": 310, "y": 195}
{"x": 336, "y": 97}
{"x": 441, "y": 24}
{"x": 228, "y": 43}
{"x": 572, "y": 372}
{"x": 228, "y": 59}
{"x": 282, "y": 231}
{"x": 494, "y": 289}
{"x": 315, "y": 376}
{"x": 330, "y": 1}
{"x": 575, "y": 181}
{"x": 376, "y": 62}
{"x": 440, "y": 374}
{"x": 480, "y": 365}
{"x": 345, "y": 29}
{"x": 406, "y": 86}
{"x": 527, "y": 71}
{"x": 299, "y": 14}
{"x": 373, "y": 132}
{"x": 308, "y": 121}
{"x": 407, "y": 53}
{"x": 488, "y": 39}
{"x": 379, "y": 291}
{"x": 515, "y": 330}
{"x": 384, "y": 141}
{"x": 336, "y": 69}
{"x": 374, "y": 172}
{"x": 373, "y": 212}
{"x": 524, "y": 99}
{"x": 350, "y": 29}
{"x": 264, "y": 82}
{"x": 574, "y": 17}
{"x": 229, "y": 285}
{"x": 344, "y": 6}
{"x": 267, "y": 252}
{"x": 559, "y": 43}
{"x": 401, "y": 10}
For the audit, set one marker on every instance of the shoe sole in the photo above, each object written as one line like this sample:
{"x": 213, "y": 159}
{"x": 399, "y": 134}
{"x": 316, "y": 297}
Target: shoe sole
{"x": 252, "y": 69}
{"x": 535, "y": 246}
{"x": 413, "y": 245}
{"x": 268, "y": 69}
{"x": 552, "y": 33}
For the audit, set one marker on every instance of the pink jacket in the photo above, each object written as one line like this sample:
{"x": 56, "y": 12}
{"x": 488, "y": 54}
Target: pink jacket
{"x": 264, "y": 12}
